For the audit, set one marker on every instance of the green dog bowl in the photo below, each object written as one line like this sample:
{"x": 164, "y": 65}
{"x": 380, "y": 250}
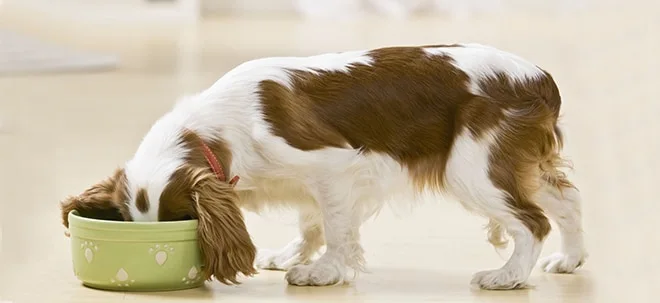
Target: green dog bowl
{"x": 135, "y": 256}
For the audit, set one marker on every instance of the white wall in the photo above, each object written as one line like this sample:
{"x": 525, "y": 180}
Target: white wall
{"x": 243, "y": 7}
{"x": 396, "y": 8}
{"x": 128, "y": 11}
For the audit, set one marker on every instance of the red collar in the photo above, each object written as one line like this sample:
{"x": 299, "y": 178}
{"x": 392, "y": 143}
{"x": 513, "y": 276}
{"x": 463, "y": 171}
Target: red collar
{"x": 215, "y": 164}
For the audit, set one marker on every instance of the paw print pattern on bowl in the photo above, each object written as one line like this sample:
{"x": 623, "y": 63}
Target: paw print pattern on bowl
{"x": 161, "y": 252}
{"x": 121, "y": 279}
{"x": 193, "y": 276}
{"x": 89, "y": 248}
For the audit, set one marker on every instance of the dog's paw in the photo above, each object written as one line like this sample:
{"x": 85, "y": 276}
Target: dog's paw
{"x": 278, "y": 260}
{"x": 499, "y": 279}
{"x": 562, "y": 263}
{"x": 316, "y": 274}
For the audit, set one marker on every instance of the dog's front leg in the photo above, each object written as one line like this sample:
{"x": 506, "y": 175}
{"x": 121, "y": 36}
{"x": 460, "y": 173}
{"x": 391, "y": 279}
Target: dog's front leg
{"x": 301, "y": 249}
{"x": 341, "y": 226}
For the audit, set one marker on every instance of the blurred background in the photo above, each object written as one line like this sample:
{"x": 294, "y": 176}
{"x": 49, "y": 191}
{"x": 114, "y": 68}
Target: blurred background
{"x": 81, "y": 81}
{"x": 73, "y": 35}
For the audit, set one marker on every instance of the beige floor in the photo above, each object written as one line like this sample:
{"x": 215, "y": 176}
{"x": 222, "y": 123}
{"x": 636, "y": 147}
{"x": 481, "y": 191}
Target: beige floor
{"x": 61, "y": 132}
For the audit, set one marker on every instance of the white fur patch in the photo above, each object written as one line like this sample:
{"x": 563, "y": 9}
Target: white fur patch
{"x": 466, "y": 174}
{"x": 276, "y": 68}
{"x": 156, "y": 159}
{"x": 479, "y": 61}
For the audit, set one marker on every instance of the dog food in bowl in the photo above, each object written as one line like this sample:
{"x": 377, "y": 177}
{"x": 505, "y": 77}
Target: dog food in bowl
{"x": 135, "y": 256}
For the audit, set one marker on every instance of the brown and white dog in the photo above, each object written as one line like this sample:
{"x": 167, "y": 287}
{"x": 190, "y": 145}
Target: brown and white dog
{"x": 336, "y": 136}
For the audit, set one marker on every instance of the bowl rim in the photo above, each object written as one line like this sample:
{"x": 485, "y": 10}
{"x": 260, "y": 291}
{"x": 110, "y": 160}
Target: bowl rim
{"x": 78, "y": 221}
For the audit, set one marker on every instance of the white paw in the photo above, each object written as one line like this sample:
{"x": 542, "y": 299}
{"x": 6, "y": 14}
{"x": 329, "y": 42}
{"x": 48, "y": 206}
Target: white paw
{"x": 278, "y": 260}
{"x": 316, "y": 274}
{"x": 499, "y": 279}
{"x": 562, "y": 263}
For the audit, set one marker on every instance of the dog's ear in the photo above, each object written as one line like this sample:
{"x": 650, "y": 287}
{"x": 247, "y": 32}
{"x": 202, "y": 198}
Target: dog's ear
{"x": 104, "y": 200}
{"x": 223, "y": 238}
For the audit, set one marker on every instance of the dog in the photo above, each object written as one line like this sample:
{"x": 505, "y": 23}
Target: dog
{"x": 337, "y": 136}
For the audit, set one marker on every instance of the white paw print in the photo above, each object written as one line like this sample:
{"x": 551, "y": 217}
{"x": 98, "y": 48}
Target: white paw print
{"x": 193, "y": 276}
{"x": 121, "y": 279}
{"x": 89, "y": 247}
{"x": 161, "y": 252}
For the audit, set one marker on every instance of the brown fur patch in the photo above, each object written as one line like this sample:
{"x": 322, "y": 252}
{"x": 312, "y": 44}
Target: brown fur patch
{"x": 195, "y": 192}
{"x": 104, "y": 200}
{"x": 142, "y": 200}
{"x": 176, "y": 200}
{"x": 411, "y": 106}
{"x": 224, "y": 240}
{"x": 412, "y": 118}
{"x": 527, "y": 144}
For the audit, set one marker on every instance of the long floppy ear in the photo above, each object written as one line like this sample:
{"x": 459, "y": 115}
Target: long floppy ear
{"x": 223, "y": 238}
{"x": 103, "y": 200}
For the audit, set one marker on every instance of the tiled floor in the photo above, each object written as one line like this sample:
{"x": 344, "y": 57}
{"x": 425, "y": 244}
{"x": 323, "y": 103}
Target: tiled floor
{"x": 61, "y": 132}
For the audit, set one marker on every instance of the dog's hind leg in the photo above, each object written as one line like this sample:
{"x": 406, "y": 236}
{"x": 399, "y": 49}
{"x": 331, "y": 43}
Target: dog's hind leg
{"x": 500, "y": 188}
{"x": 561, "y": 201}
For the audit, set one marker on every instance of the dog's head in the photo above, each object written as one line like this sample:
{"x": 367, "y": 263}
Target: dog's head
{"x": 144, "y": 191}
